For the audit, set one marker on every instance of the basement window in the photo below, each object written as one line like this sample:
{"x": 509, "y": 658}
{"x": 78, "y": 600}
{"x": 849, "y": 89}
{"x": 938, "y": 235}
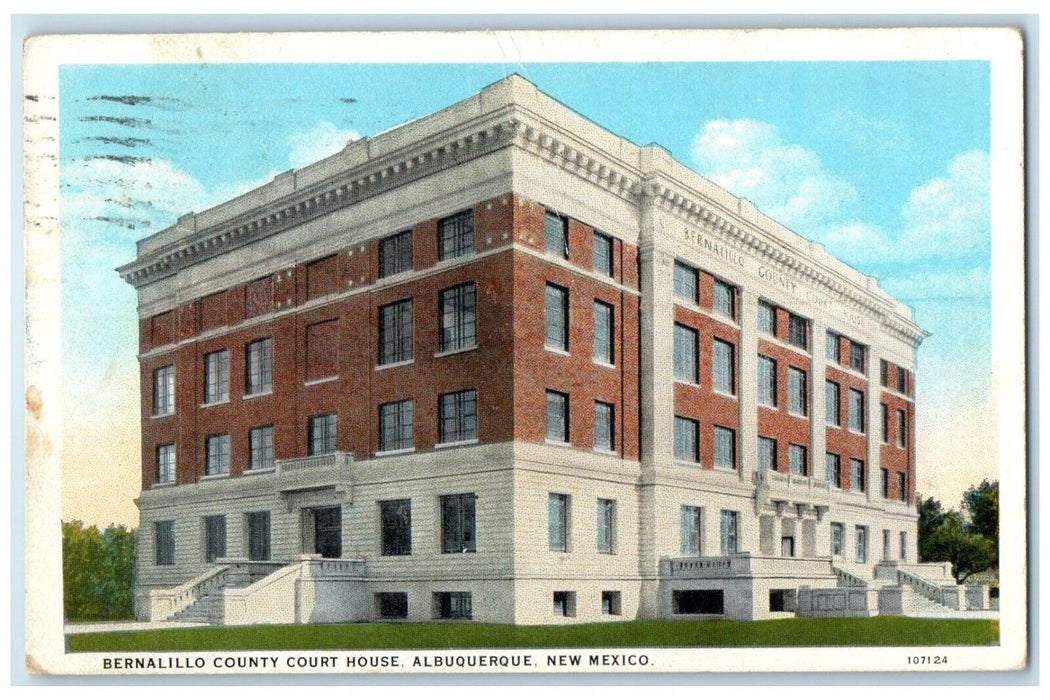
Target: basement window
{"x": 699, "y": 602}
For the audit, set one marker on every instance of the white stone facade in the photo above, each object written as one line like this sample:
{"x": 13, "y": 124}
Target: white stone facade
{"x": 512, "y": 138}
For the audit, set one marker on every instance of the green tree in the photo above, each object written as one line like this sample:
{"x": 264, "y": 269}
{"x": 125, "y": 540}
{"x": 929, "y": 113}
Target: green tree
{"x": 98, "y": 571}
{"x": 968, "y": 552}
{"x": 931, "y": 517}
{"x": 982, "y": 504}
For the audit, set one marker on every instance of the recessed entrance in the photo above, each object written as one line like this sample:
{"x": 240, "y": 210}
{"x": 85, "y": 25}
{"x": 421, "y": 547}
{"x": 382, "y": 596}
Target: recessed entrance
{"x": 328, "y": 532}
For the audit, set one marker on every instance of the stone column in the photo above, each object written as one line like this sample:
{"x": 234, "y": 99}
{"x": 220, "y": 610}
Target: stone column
{"x": 873, "y": 431}
{"x": 656, "y": 385}
{"x": 747, "y": 390}
{"x": 817, "y": 428}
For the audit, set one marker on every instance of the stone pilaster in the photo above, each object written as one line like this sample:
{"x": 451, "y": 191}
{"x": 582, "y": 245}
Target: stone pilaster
{"x": 747, "y": 393}
{"x": 817, "y": 428}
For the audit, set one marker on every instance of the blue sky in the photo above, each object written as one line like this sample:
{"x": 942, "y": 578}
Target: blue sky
{"x": 886, "y": 163}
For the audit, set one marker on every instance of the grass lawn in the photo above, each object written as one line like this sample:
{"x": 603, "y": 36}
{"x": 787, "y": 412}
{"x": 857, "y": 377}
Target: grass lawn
{"x": 873, "y": 631}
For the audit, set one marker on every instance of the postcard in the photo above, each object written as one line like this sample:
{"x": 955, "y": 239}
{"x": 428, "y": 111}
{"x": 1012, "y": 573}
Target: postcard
{"x": 525, "y": 351}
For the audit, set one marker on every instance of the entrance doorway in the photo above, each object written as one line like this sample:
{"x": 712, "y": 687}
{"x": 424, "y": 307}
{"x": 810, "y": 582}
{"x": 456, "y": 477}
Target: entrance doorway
{"x": 328, "y": 532}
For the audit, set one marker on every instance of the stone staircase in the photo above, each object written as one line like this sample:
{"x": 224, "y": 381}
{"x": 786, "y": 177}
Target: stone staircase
{"x": 205, "y": 610}
{"x": 917, "y": 605}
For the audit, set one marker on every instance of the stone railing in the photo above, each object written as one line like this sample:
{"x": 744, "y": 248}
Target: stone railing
{"x": 327, "y": 460}
{"x": 948, "y": 595}
{"x": 744, "y": 564}
{"x": 290, "y": 594}
{"x": 931, "y": 571}
{"x": 163, "y": 603}
{"x": 848, "y": 580}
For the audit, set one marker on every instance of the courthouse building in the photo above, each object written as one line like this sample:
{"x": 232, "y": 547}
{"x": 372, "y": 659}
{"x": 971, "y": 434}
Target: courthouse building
{"x": 501, "y": 364}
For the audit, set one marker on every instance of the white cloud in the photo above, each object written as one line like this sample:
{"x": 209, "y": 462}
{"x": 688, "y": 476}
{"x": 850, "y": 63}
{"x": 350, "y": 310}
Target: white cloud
{"x": 786, "y": 181}
{"x": 945, "y": 217}
{"x": 321, "y": 141}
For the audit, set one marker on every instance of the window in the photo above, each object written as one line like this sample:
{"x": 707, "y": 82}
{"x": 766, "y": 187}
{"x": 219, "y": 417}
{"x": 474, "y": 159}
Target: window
{"x": 856, "y": 475}
{"x": 558, "y": 522}
{"x": 395, "y": 426}
{"x": 725, "y": 299}
{"x": 831, "y": 403}
{"x": 603, "y": 333}
{"x": 453, "y": 606}
{"x": 797, "y": 459}
{"x": 690, "y": 519}
{"x": 767, "y": 381}
{"x": 698, "y": 602}
{"x": 798, "y": 331}
{"x": 862, "y": 544}
{"x": 728, "y": 531}
{"x": 902, "y": 487}
{"x": 164, "y": 542}
{"x": 783, "y": 599}
{"x": 458, "y": 416}
{"x": 723, "y": 367}
{"x": 165, "y": 464}
{"x": 857, "y": 353}
{"x": 797, "y": 403}
{"x": 904, "y": 546}
{"x": 725, "y": 448}
{"x": 395, "y": 524}
{"x": 902, "y": 428}
{"x": 767, "y": 318}
{"x": 395, "y": 254}
{"x": 458, "y": 328}
{"x": 767, "y": 454}
{"x": 164, "y": 390}
{"x": 787, "y": 546}
{"x": 610, "y": 602}
{"x": 606, "y": 526}
{"x": 856, "y": 410}
{"x": 214, "y": 537}
{"x": 604, "y": 433}
{"x": 685, "y": 350}
{"x": 395, "y": 332}
{"x": 685, "y": 282}
{"x": 831, "y": 346}
{"x": 885, "y": 423}
{"x": 838, "y": 533}
{"x": 902, "y": 380}
{"x": 260, "y": 448}
{"x": 884, "y": 482}
{"x": 556, "y": 315}
{"x": 886, "y": 540}
{"x": 456, "y": 235}
{"x": 565, "y": 603}
{"x": 557, "y": 416}
{"x": 458, "y": 534}
{"x": 217, "y": 460}
{"x": 884, "y": 372}
{"x": 392, "y": 605}
{"x": 686, "y": 447}
{"x": 217, "y": 377}
{"x": 556, "y": 234}
{"x": 322, "y": 434}
{"x": 259, "y": 536}
{"x": 603, "y": 254}
{"x": 833, "y": 470}
{"x": 258, "y": 367}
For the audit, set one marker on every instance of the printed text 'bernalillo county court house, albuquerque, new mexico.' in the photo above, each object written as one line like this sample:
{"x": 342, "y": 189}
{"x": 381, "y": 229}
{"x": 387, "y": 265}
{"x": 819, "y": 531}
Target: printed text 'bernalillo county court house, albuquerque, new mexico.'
{"x": 501, "y": 364}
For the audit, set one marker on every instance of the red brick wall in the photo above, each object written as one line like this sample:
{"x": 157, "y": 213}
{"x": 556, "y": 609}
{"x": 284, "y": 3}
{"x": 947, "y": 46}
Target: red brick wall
{"x": 841, "y": 441}
{"x": 536, "y": 369}
{"x": 701, "y": 403}
{"x": 779, "y": 423}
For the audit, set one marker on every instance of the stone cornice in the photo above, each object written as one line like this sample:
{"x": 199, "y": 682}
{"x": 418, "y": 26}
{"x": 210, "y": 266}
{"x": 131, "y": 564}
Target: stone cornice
{"x": 371, "y": 178}
{"x": 680, "y": 200}
{"x": 515, "y": 124}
